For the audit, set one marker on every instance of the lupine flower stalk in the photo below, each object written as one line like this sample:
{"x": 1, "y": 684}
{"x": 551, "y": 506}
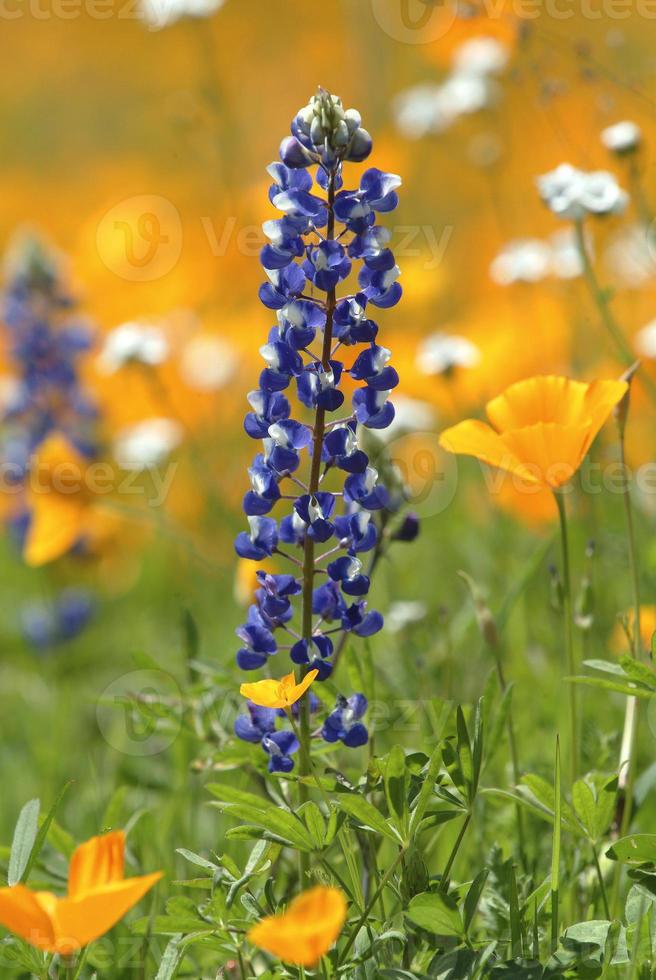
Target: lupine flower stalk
{"x": 324, "y": 231}
{"x": 47, "y": 340}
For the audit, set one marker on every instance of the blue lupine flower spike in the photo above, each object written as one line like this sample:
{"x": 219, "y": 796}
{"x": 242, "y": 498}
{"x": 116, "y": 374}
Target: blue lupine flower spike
{"x": 324, "y": 238}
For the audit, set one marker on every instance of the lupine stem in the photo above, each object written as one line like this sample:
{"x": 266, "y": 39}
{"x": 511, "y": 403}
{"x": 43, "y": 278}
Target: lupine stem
{"x": 308, "y": 550}
{"x": 569, "y": 634}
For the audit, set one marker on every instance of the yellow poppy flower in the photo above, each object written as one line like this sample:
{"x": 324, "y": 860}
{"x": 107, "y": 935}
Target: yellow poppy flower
{"x": 277, "y": 694}
{"x": 307, "y": 930}
{"x": 59, "y": 501}
{"x": 98, "y": 896}
{"x": 540, "y": 428}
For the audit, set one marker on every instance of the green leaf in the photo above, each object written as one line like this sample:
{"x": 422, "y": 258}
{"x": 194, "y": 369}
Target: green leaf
{"x": 618, "y": 688}
{"x": 257, "y": 810}
{"x": 42, "y": 835}
{"x": 366, "y": 814}
{"x": 25, "y": 833}
{"x": 634, "y": 849}
{"x": 477, "y": 749}
{"x": 464, "y": 748}
{"x": 171, "y": 959}
{"x": 197, "y": 860}
{"x": 594, "y": 803}
{"x": 113, "y": 815}
{"x": 605, "y": 936}
{"x": 473, "y": 897}
{"x": 230, "y": 794}
{"x": 638, "y": 671}
{"x": 397, "y": 782}
{"x": 315, "y": 822}
{"x": 285, "y": 826}
{"x": 515, "y": 915}
{"x": 429, "y": 777}
{"x": 436, "y": 913}
{"x": 606, "y": 666}
{"x": 544, "y": 794}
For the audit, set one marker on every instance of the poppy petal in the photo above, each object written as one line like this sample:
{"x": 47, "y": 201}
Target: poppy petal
{"x": 80, "y": 921}
{"x": 96, "y": 863}
{"x": 474, "y": 438}
{"x": 307, "y": 930}
{"x": 552, "y": 452}
{"x": 55, "y": 526}
{"x": 22, "y": 913}
{"x": 540, "y": 399}
{"x": 600, "y": 400}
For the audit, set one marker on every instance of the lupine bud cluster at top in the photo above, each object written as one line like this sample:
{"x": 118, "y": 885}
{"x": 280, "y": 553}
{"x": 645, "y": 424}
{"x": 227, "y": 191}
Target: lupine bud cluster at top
{"x": 313, "y": 246}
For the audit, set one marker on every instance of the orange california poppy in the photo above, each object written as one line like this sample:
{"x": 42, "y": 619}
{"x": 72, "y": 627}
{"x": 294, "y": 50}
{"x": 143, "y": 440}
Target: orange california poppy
{"x": 58, "y": 499}
{"x": 540, "y": 428}
{"x": 277, "y": 694}
{"x": 307, "y": 930}
{"x": 98, "y": 896}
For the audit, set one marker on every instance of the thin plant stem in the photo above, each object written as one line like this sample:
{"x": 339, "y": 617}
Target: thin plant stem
{"x": 626, "y": 767}
{"x": 555, "y": 853}
{"x": 569, "y": 635}
{"x": 601, "y": 298}
{"x": 308, "y": 550}
{"x": 602, "y": 886}
{"x": 444, "y": 883}
{"x": 315, "y": 776}
{"x": 370, "y": 904}
{"x": 514, "y": 761}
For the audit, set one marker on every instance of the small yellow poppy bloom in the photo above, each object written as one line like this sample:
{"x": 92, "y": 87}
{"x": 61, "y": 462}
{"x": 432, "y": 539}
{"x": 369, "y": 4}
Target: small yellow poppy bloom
{"x": 541, "y": 428}
{"x": 98, "y": 896}
{"x": 277, "y": 694}
{"x": 307, "y": 930}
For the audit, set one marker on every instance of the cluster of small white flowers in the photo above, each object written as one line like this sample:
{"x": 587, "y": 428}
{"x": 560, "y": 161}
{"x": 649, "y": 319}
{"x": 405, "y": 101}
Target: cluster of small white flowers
{"x": 133, "y": 343}
{"x": 572, "y": 193}
{"x": 442, "y": 353}
{"x": 468, "y": 88}
{"x": 534, "y": 259}
{"x": 158, "y": 14}
{"x": 147, "y": 443}
{"x": 622, "y": 137}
